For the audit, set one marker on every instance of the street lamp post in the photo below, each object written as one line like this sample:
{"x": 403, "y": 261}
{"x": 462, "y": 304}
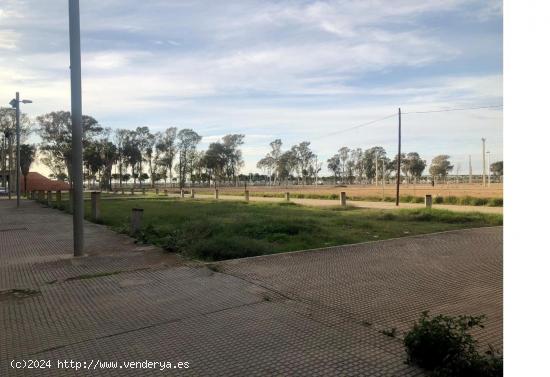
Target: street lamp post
{"x": 15, "y": 104}
{"x": 76, "y": 120}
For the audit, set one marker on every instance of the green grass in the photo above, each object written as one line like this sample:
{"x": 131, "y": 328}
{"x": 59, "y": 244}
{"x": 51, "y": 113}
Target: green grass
{"x": 213, "y": 230}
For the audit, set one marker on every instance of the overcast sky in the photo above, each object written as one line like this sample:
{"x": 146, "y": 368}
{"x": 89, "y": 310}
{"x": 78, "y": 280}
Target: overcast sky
{"x": 294, "y": 70}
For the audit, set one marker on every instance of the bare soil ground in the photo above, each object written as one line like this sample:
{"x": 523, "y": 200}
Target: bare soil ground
{"x": 443, "y": 190}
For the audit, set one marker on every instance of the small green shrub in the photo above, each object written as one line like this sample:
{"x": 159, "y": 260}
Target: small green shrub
{"x": 389, "y": 332}
{"x": 495, "y": 202}
{"x": 451, "y": 200}
{"x": 480, "y": 201}
{"x": 444, "y": 346}
{"x": 438, "y": 200}
{"x": 406, "y": 199}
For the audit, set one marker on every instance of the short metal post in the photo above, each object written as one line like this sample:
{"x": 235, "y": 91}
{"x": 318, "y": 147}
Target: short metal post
{"x": 287, "y": 196}
{"x": 96, "y": 199}
{"x": 343, "y": 198}
{"x": 216, "y": 193}
{"x": 135, "y": 221}
{"x": 246, "y": 195}
{"x": 428, "y": 201}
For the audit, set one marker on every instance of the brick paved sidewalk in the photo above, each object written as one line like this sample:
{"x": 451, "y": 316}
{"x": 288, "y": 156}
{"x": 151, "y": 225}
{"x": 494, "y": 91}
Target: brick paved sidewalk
{"x": 311, "y": 313}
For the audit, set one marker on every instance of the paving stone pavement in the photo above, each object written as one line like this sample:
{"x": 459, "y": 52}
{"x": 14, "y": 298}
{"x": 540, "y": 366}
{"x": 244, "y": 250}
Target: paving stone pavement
{"x": 298, "y": 314}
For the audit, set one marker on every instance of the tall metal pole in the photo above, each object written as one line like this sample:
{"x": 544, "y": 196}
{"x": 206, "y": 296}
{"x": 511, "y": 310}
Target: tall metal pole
{"x": 398, "y": 161}
{"x": 470, "y": 168}
{"x": 17, "y": 147}
{"x": 383, "y": 179}
{"x": 376, "y": 168}
{"x": 489, "y": 164}
{"x": 483, "y": 154}
{"x": 76, "y": 120}
{"x": 10, "y": 164}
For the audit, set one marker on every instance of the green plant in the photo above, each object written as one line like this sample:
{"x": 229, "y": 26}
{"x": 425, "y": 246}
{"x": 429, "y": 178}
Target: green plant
{"x": 444, "y": 346}
{"x": 495, "y": 202}
{"x": 389, "y": 332}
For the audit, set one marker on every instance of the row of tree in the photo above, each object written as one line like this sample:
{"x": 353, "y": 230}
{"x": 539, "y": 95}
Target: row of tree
{"x": 351, "y": 165}
{"x": 123, "y": 155}
{"x": 141, "y": 156}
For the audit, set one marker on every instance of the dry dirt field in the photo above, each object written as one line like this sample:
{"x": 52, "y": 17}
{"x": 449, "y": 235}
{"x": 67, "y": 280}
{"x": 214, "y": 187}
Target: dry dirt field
{"x": 444, "y": 190}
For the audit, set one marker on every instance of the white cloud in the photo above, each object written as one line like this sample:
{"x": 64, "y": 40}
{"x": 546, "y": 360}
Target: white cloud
{"x": 294, "y": 70}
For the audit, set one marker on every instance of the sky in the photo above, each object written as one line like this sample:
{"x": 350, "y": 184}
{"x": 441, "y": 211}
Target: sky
{"x": 294, "y": 70}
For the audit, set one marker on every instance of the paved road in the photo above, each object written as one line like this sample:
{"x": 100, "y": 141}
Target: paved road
{"x": 310, "y": 313}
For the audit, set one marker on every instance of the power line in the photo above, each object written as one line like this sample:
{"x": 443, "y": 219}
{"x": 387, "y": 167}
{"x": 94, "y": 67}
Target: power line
{"x": 455, "y": 109}
{"x": 409, "y": 112}
{"x": 355, "y": 127}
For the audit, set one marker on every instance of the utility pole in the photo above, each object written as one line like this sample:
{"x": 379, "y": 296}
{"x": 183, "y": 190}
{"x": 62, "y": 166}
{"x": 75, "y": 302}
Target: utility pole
{"x": 489, "y": 164}
{"x": 483, "y": 154}
{"x": 383, "y": 178}
{"x": 18, "y": 149}
{"x": 470, "y": 168}
{"x": 376, "y": 168}
{"x": 398, "y": 160}
{"x": 76, "y": 120}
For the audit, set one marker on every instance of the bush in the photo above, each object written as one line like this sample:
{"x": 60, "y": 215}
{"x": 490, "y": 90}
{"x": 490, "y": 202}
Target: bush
{"x": 452, "y": 200}
{"x": 496, "y": 202}
{"x": 480, "y": 201}
{"x": 444, "y": 346}
{"x": 438, "y": 200}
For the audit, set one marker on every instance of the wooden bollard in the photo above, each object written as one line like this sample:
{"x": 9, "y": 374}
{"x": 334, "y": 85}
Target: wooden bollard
{"x": 132, "y": 191}
{"x": 182, "y": 193}
{"x": 143, "y": 191}
{"x": 157, "y": 191}
{"x": 216, "y": 194}
{"x": 287, "y": 196}
{"x": 343, "y": 198}
{"x": 246, "y": 195}
{"x": 122, "y": 191}
{"x": 165, "y": 192}
{"x": 58, "y": 197}
{"x": 96, "y": 199}
{"x": 192, "y": 193}
{"x": 135, "y": 220}
{"x": 428, "y": 201}
{"x": 49, "y": 197}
